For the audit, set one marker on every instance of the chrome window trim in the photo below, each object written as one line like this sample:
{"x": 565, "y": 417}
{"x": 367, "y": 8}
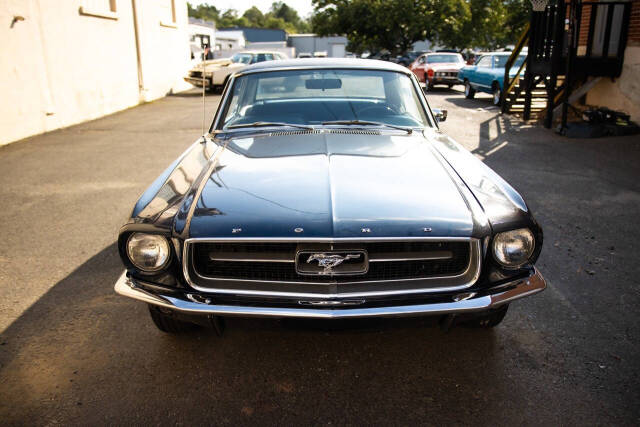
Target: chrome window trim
{"x": 223, "y": 102}
{"x": 227, "y": 90}
{"x": 475, "y": 263}
{"x": 374, "y": 67}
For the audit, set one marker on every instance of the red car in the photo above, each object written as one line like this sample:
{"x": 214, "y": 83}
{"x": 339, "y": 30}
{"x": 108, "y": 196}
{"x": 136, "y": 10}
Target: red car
{"x": 438, "y": 68}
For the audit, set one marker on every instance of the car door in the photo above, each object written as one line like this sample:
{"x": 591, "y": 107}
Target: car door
{"x": 483, "y": 73}
{"x": 418, "y": 67}
{"x": 468, "y": 72}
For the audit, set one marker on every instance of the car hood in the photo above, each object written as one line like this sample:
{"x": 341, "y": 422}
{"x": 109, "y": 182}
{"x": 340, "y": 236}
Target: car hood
{"x": 213, "y": 64}
{"x": 446, "y": 66}
{"x": 330, "y": 185}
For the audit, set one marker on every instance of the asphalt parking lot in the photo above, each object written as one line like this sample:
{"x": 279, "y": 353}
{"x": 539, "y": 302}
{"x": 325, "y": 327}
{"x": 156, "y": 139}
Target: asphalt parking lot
{"x": 73, "y": 352}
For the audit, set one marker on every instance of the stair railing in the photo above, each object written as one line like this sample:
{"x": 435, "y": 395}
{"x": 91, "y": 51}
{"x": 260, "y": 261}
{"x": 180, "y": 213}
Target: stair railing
{"x": 510, "y": 83}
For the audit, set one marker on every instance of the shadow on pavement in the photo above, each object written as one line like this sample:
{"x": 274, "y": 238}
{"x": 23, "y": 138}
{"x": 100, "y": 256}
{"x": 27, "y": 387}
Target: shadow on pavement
{"x": 494, "y": 133}
{"x": 484, "y": 102}
{"x": 193, "y": 93}
{"x": 82, "y": 354}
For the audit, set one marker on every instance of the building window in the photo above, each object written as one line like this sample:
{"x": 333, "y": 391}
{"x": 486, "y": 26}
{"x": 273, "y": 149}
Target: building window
{"x": 99, "y": 8}
{"x": 168, "y": 13}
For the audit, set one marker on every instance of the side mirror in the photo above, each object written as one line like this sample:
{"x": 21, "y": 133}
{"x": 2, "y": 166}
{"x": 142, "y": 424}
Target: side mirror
{"x": 440, "y": 114}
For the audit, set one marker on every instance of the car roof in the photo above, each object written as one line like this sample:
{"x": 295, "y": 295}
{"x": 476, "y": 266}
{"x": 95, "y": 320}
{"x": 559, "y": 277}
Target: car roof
{"x": 319, "y": 63}
{"x": 500, "y": 53}
{"x": 253, "y": 52}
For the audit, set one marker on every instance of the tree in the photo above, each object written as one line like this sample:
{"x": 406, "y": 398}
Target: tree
{"x": 255, "y": 17}
{"x": 281, "y": 12}
{"x": 452, "y": 28}
{"x": 281, "y": 16}
{"x": 204, "y": 11}
{"x": 396, "y": 25}
{"x": 375, "y": 24}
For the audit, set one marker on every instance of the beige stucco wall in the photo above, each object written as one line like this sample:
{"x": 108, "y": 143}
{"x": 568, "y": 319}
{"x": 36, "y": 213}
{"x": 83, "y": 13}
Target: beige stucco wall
{"x": 164, "y": 50}
{"x": 60, "y": 67}
{"x": 623, "y": 94}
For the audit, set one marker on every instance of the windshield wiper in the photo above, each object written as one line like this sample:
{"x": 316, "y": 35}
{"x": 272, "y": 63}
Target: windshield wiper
{"x": 365, "y": 122}
{"x": 265, "y": 124}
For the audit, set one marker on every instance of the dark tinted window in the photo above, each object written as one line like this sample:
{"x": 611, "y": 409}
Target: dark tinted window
{"x": 501, "y": 60}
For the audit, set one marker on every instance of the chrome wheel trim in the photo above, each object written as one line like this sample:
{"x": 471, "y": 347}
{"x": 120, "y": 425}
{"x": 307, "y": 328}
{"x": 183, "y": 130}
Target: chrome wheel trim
{"x": 467, "y": 88}
{"x": 496, "y": 96}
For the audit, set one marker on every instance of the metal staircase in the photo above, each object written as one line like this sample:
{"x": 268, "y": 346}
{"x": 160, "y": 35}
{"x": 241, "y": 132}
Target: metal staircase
{"x": 567, "y": 44}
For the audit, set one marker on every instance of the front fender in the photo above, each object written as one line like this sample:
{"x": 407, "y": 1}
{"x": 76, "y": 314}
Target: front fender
{"x": 159, "y": 203}
{"x": 503, "y": 205}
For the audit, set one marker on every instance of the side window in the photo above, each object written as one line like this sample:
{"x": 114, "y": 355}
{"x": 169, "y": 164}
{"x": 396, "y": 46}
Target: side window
{"x": 261, "y": 57}
{"x": 269, "y": 57}
{"x": 422, "y": 60}
{"x": 485, "y": 61}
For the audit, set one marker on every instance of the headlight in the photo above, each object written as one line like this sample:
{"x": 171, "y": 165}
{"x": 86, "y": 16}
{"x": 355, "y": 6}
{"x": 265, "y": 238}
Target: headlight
{"x": 514, "y": 248}
{"x": 148, "y": 252}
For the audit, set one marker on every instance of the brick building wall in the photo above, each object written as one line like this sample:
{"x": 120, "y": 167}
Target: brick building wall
{"x": 634, "y": 24}
{"x": 623, "y": 93}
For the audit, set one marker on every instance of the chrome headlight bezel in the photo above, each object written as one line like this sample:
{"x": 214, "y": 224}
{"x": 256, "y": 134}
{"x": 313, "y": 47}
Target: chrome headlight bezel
{"x": 163, "y": 248}
{"x": 520, "y": 236}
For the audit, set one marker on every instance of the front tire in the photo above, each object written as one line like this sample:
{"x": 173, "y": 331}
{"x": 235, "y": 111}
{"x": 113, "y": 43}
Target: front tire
{"x": 490, "y": 319}
{"x": 469, "y": 92}
{"x": 167, "y": 323}
{"x": 497, "y": 94}
{"x": 428, "y": 85}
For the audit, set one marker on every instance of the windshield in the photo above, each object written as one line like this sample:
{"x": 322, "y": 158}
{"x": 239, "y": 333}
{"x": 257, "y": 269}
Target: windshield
{"x": 438, "y": 59}
{"x": 312, "y": 97}
{"x": 501, "y": 61}
{"x": 243, "y": 58}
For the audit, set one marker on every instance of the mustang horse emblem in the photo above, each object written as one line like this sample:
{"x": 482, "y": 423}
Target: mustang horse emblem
{"x": 330, "y": 261}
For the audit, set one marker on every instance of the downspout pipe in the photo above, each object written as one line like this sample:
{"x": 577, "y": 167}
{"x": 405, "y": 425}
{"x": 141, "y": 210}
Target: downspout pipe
{"x": 141, "y": 96}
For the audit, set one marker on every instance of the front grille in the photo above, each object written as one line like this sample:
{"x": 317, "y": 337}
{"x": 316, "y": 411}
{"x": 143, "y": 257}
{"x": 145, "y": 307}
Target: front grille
{"x": 197, "y": 74}
{"x": 275, "y": 262}
{"x": 320, "y": 131}
{"x": 446, "y": 74}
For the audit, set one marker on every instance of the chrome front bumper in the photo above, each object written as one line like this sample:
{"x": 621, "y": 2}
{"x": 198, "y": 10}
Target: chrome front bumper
{"x": 467, "y": 303}
{"x": 197, "y": 81}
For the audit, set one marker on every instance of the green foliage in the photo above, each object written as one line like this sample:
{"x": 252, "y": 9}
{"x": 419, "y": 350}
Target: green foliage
{"x": 281, "y": 16}
{"x": 395, "y": 25}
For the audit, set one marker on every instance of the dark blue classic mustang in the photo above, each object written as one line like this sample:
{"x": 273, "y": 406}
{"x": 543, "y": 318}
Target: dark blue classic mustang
{"x": 324, "y": 189}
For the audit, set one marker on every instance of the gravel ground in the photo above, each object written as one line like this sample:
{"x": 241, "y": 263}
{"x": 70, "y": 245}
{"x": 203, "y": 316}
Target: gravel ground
{"x": 73, "y": 352}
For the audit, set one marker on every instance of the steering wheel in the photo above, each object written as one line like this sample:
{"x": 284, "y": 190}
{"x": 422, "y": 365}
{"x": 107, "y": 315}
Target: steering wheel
{"x": 382, "y": 109}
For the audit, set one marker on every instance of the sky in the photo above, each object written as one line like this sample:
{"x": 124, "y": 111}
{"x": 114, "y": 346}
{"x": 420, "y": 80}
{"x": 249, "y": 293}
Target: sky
{"x": 303, "y": 7}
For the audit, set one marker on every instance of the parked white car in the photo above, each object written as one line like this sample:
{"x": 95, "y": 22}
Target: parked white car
{"x": 217, "y": 71}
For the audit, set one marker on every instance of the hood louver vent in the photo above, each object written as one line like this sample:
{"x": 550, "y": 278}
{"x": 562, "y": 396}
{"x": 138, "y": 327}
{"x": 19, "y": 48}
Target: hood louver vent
{"x": 319, "y": 131}
{"x": 355, "y": 132}
{"x": 294, "y": 132}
